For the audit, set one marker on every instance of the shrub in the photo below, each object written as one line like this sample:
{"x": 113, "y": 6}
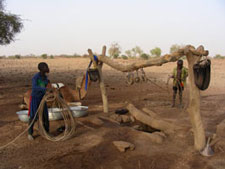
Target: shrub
{"x": 17, "y": 56}
{"x": 124, "y": 57}
{"x": 115, "y": 56}
{"x": 44, "y": 56}
{"x": 218, "y": 56}
{"x": 51, "y": 57}
{"x": 156, "y": 52}
{"x": 144, "y": 56}
{"x": 75, "y": 55}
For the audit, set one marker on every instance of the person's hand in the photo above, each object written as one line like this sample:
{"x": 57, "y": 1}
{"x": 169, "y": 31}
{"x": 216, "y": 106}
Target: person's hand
{"x": 49, "y": 90}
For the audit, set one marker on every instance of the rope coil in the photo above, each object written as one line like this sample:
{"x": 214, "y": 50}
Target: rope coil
{"x": 70, "y": 123}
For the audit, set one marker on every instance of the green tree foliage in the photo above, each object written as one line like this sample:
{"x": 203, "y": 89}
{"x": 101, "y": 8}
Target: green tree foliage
{"x": 124, "y": 57}
{"x": 144, "y": 56}
{"x": 218, "y": 56}
{"x": 17, "y": 56}
{"x": 10, "y": 25}
{"x": 114, "y": 50}
{"x": 115, "y": 56}
{"x": 175, "y": 48}
{"x": 128, "y": 53}
{"x": 137, "y": 51}
{"x": 44, "y": 56}
{"x": 156, "y": 52}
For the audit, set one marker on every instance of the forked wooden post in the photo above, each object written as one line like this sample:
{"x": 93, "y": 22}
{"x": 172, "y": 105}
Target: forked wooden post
{"x": 101, "y": 80}
{"x": 102, "y": 85}
{"x": 194, "y": 100}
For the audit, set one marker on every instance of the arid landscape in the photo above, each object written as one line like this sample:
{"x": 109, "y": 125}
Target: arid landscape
{"x": 92, "y": 147}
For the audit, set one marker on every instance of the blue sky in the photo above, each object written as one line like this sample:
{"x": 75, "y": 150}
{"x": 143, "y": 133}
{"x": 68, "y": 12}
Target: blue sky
{"x": 72, "y": 26}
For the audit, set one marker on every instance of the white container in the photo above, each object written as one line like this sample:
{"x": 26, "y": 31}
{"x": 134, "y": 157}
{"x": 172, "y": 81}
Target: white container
{"x": 23, "y": 115}
{"x": 79, "y": 111}
{"x": 55, "y": 113}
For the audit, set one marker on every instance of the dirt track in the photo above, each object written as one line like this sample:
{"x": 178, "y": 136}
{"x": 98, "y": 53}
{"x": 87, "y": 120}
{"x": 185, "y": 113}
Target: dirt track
{"x": 91, "y": 149}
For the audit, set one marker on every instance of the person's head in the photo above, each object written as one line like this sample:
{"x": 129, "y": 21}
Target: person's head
{"x": 180, "y": 64}
{"x": 43, "y": 67}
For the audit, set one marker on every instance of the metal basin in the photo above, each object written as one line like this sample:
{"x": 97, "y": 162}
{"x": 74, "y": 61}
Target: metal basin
{"x": 23, "y": 115}
{"x": 79, "y": 111}
{"x": 55, "y": 113}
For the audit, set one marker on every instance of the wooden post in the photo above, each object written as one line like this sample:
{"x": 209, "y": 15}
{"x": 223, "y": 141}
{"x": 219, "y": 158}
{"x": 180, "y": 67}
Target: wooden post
{"x": 102, "y": 85}
{"x": 101, "y": 80}
{"x": 92, "y": 58}
{"x": 194, "y": 104}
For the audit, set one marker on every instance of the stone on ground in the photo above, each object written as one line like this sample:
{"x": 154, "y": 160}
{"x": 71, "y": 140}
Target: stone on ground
{"x": 122, "y": 146}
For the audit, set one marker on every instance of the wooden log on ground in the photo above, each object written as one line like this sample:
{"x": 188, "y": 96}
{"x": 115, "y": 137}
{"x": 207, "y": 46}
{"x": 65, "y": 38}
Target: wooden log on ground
{"x": 149, "y": 112}
{"x": 159, "y": 124}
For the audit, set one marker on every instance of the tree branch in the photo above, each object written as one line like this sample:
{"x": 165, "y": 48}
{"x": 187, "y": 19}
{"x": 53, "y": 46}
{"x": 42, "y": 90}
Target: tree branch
{"x": 154, "y": 61}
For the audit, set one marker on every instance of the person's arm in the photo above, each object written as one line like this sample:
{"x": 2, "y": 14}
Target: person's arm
{"x": 35, "y": 87}
{"x": 186, "y": 72}
{"x": 173, "y": 74}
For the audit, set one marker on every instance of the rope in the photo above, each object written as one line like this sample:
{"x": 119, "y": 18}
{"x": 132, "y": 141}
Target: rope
{"x": 17, "y": 137}
{"x": 70, "y": 124}
{"x": 156, "y": 85}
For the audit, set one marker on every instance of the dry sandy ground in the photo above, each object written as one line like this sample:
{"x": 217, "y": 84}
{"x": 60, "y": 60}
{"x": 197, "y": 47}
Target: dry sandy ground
{"x": 93, "y": 149}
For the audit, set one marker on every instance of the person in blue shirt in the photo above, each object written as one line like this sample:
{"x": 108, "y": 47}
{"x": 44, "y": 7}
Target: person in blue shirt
{"x": 39, "y": 88}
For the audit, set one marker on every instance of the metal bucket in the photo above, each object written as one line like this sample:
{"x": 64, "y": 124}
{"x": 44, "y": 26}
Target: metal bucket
{"x": 94, "y": 74}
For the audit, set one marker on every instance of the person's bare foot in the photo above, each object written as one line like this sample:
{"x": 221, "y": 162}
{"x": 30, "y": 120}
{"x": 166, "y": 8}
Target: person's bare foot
{"x": 30, "y": 137}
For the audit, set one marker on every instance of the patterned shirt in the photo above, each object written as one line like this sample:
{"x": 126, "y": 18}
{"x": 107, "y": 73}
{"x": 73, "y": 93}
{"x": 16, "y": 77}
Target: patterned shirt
{"x": 39, "y": 84}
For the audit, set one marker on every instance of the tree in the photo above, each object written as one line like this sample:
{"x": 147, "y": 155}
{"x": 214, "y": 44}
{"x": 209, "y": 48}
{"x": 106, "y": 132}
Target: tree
{"x": 44, "y": 56}
{"x": 144, "y": 56}
{"x": 10, "y": 25}
{"x": 114, "y": 50}
{"x": 218, "y": 56}
{"x": 137, "y": 51}
{"x": 175, "y": 48}
{"x": 156, "y": 52}
{"x": 128, "y": 53}
{"x": 124, "y": 57}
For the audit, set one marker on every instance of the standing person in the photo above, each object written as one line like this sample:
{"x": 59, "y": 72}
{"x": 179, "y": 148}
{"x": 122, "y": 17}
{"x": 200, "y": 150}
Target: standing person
{"x": 39, "y": 84}
{"x": 179, "y": 76}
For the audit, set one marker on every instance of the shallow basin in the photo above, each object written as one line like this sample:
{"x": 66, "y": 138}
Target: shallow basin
{"x": 79, "y": 111}
{"x": 55, "y": 113}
